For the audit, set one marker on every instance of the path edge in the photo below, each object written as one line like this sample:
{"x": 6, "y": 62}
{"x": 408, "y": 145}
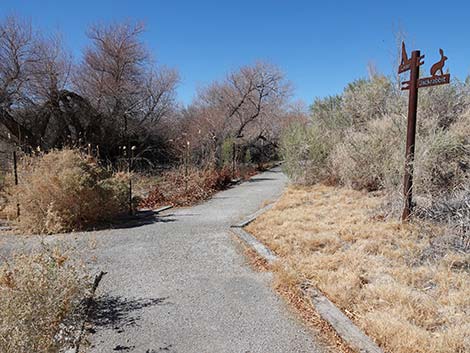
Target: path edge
{"x": 344, "y": 327}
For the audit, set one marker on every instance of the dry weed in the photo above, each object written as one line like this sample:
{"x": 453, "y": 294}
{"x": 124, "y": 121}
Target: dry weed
{"x": 65, "y": 191}
{"x": 40, "y": 294}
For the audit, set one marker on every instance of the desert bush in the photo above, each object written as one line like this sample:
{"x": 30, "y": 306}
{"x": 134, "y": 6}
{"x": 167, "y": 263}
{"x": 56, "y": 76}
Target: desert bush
{"x": 440, "y": 107}
{"x": 461, "y": 127}
{"x": 328, "y": 114}
{"x": 305, "y": 152}
{"x": 371, "y": 158}
{"x": 365, "y": 100}
{"x": 40, "y": 295}
{"x": 66, "y": 191}
{"x": 362, "y": 132}
{"x": 443, "y": 161}
{"x": 452, "y": 209}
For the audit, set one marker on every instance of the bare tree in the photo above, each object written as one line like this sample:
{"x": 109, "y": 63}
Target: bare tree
{"x": 120, "y": 80}
{"x": 244, "y": 106}
{"x": 35, "y": 105}
{"x": 16, "y": 59}
{"x": 46, "y": 101}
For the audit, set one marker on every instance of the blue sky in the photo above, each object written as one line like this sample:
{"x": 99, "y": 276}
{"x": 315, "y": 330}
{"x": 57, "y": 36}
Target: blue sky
{"x": 320, "y": 45}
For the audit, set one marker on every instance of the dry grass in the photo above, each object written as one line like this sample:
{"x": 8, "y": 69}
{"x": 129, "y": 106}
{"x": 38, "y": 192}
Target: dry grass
{"x": 286, "y": 284}
{"x": 377, "y": 271}
{"x": 40, "y": 295}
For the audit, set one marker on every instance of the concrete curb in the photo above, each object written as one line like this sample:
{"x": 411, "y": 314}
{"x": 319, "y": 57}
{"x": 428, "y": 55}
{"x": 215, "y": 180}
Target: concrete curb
{"x": 344, "y": 327}
{"x": 252, "y": 217}
{"x": 161, "y": 209}
{"x": 253, "y": 243}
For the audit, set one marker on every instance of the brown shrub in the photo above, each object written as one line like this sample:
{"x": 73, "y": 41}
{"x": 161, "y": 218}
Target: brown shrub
{"x": 40, "y": 294}
{"x": 177, "y": 189}
{"x": 65, "y": 191}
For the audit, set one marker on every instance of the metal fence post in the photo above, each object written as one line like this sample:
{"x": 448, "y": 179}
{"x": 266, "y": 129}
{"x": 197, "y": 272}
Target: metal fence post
{"x": 15, "y": 173}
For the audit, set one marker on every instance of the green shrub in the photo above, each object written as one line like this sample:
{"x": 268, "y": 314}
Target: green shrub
{"x": 227, "y": 151}
{"x": 442, "y": 163}
{"x": 305, "y": 152}
{"x": 365, "y": 100}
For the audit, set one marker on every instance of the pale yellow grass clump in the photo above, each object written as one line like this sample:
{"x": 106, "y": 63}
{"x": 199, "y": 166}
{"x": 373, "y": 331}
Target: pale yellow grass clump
{"x": 376, "y": 270}
{"x": 40, "y": 297}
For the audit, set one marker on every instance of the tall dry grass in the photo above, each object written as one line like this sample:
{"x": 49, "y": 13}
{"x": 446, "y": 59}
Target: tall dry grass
{"x": 40, "y": 297}
{"x": 406, "y": 285}
{"x": 65, "y": 191}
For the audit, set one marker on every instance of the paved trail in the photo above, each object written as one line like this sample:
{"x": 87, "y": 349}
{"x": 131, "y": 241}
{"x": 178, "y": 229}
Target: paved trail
{"x": 183, "y": 285}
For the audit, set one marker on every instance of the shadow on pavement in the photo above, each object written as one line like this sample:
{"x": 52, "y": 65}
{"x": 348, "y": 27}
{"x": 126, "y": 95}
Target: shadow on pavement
{"x": 141, "y": 218}
{"x": 116, "y": 313}
{"x": 255, "y": 180}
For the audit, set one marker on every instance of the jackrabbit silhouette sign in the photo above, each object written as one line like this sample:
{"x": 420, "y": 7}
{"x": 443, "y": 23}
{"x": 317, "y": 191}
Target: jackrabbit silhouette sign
{"x": 437, "y": 77}
{"x": 433, "y": 80}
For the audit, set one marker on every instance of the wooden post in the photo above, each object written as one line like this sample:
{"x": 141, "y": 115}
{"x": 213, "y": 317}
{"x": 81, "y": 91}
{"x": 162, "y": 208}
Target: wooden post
{"x": 411, "y": 134}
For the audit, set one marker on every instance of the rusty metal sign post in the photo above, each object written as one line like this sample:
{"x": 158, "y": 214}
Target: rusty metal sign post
{"x": 412, "y": 64}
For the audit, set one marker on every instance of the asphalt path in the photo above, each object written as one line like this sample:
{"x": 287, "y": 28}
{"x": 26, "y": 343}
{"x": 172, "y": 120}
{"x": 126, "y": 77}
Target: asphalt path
{"x": 181, "y": 283}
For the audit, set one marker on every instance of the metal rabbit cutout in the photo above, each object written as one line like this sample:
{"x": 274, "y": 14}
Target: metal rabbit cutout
{"x": 439, "y": 65}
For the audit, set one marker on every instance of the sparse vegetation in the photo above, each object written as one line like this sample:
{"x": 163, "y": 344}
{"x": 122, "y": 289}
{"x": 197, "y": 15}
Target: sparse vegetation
{"x": 407, "y": 285}
{"x": 40, "y": 297}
